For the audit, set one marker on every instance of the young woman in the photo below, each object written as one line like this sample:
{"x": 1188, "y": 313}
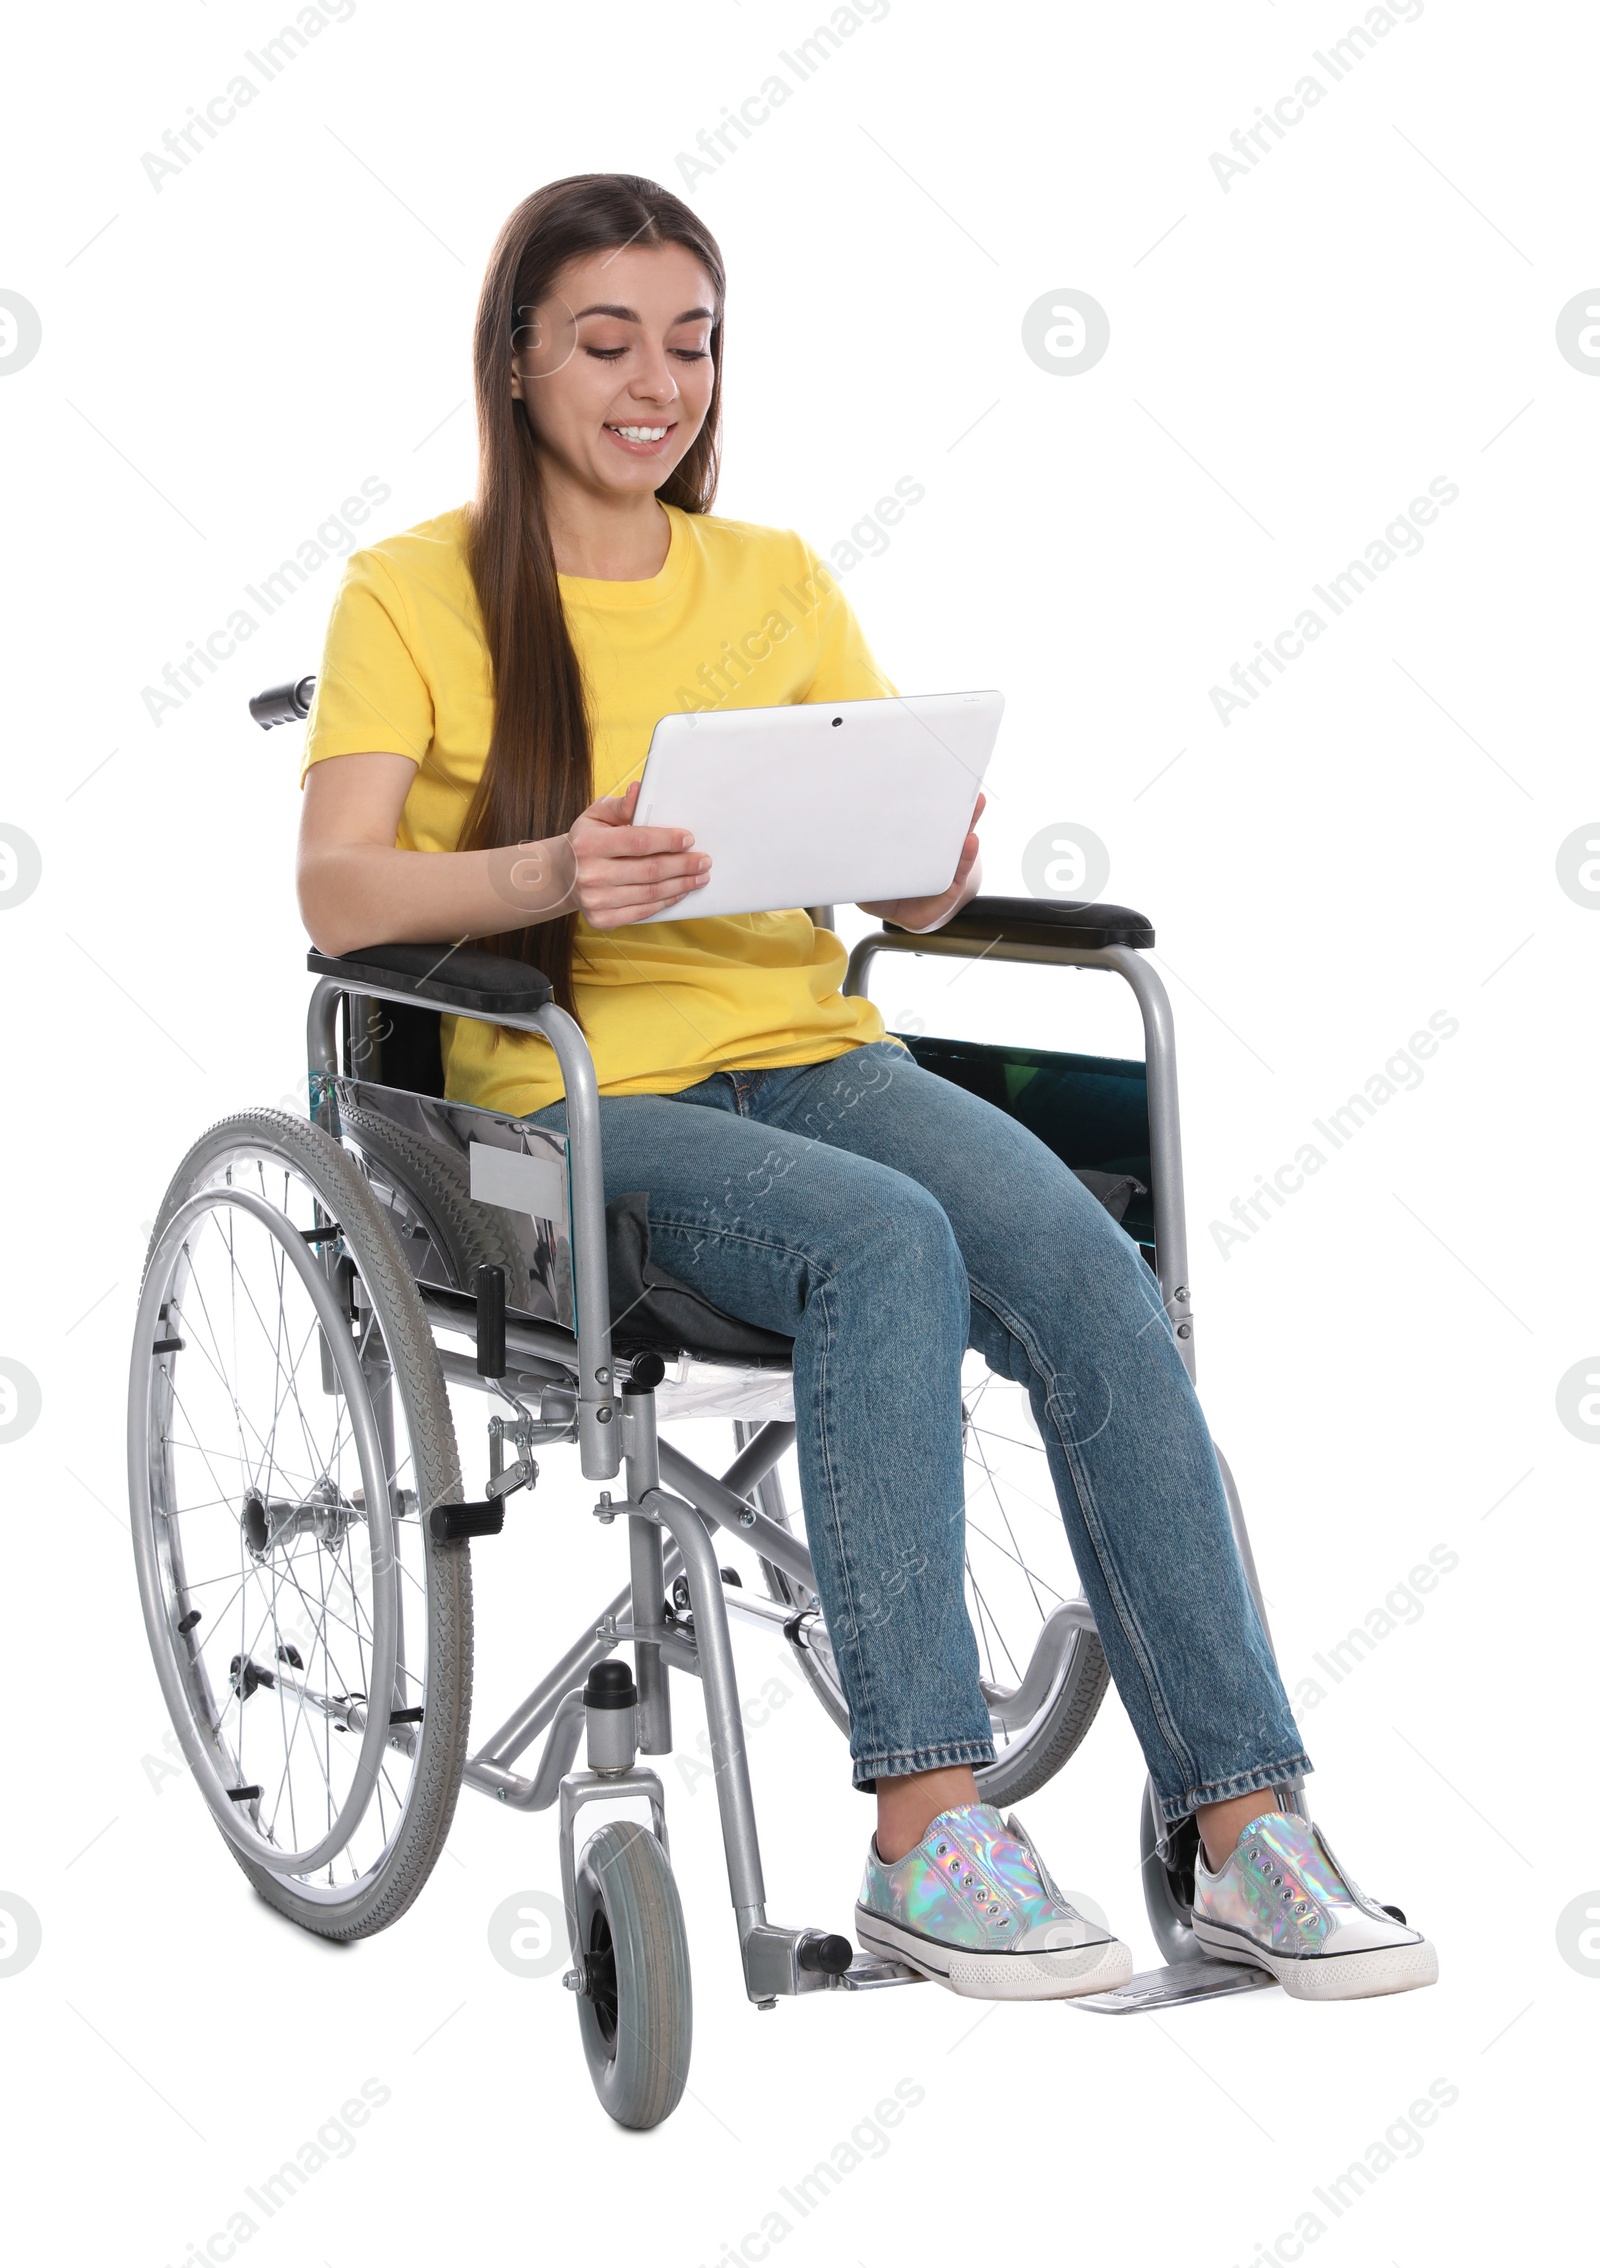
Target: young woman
{"x": 486, "y": 699}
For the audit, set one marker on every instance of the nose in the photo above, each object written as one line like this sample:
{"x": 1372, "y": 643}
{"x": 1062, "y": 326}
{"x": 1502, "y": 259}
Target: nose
{"x": 654, "y": 382}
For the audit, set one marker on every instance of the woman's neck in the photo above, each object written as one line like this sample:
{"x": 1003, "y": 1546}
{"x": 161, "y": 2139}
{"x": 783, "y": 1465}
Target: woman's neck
{"x": 610, "y": 539}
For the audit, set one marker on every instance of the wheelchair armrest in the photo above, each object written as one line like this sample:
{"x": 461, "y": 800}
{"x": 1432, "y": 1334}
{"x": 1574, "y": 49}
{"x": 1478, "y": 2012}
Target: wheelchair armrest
{"x": 444, "y": 976}
{"x": 1043, "y": 921}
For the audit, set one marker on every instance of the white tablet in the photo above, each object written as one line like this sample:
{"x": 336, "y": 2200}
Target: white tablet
{"x": 820, "y": 803}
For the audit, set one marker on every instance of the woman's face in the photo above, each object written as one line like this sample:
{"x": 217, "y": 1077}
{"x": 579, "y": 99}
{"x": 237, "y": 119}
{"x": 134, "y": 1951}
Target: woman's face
{"x": 614, "y": 365}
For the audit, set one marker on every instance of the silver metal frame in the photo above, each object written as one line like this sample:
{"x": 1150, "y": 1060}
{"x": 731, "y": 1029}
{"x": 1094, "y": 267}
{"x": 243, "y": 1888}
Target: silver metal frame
{"x": 1161, "y": 1082}
{"x": 671, "y": 1526}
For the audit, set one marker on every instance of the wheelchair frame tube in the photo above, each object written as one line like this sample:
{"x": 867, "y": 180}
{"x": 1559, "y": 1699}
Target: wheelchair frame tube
{"x": 1161, "y": 1082}
{"x": 599, "y": 1434}
{"x": 646, "y": 1575}
{"x": 735, "y": 1802}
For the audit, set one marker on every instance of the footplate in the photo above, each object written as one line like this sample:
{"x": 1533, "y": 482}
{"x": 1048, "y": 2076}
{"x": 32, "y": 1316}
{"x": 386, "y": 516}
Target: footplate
{"x": 1171, "y": 1987}
{"x": 867, "y": 1972}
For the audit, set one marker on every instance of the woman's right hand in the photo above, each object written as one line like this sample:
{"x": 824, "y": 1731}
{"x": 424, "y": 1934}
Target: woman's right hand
{"x": 623, "y": 872}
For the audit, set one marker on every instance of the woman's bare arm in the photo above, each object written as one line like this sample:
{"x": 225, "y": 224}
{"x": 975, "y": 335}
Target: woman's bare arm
{"x": 357, "y": 889}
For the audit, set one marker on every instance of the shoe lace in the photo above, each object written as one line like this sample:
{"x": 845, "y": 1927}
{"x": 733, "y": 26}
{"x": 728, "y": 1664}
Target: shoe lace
{"x": 1291, "y": 1893}
{"x": 986, "y": 1902}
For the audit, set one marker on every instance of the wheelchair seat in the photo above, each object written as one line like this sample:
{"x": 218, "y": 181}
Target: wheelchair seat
{"x": 1089, "y": 1110}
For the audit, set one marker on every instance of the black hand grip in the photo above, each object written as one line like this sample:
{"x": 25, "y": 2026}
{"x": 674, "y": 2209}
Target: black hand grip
{"x": 831, "y": 1955}
{"x": 283, "y": 704}
{"x": 452, "y": 1523}
{"x": 491, "y": 1289}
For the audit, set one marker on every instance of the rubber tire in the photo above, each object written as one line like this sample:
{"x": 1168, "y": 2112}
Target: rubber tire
{"x": 419, "y": 1378}
{"x": 624, "y": 1881}
{"x": 470, "y": 1235}
{"x": 1020, "y": 1772}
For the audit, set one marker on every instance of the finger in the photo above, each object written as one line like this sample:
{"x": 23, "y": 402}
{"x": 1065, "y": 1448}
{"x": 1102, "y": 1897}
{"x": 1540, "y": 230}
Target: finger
{"x": 644, "y": 843}
{"x": 611, "y": 889}
{"x": 608, "y": 892}
{"x": 615, "y": 809}
{"x": 605, "y": 811}
{"x": 619, "y": 917}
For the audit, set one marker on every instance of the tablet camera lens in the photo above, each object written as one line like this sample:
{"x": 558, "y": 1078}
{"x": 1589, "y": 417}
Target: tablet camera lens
{"x": 838, "y": 720}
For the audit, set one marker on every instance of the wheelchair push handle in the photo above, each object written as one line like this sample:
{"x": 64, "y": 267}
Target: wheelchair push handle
{"x": 283, "y": 704}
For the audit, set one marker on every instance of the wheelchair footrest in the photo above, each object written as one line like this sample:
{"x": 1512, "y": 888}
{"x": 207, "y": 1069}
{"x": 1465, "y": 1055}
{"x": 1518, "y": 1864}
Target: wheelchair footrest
{"x": 453, "y": 1523}
{"x": 867, "y": 1973}
{"x": 1172, "y": 1986}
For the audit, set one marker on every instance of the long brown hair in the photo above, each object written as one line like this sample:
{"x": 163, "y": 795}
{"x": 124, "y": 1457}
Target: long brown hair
{"x": 539, "y": 772}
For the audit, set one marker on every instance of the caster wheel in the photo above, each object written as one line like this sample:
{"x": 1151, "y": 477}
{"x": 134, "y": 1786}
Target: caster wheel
{"x": 634, "y": 2005}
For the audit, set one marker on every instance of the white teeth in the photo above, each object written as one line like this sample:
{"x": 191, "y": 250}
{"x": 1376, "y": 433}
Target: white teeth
{"x": 640, "y": 432}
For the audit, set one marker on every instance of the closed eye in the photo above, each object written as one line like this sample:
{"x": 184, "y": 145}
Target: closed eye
{"x": 684, "y": 354}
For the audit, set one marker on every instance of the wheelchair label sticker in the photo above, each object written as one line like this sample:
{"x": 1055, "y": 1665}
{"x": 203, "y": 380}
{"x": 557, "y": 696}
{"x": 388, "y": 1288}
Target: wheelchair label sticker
{"x": 522, "y": 1184}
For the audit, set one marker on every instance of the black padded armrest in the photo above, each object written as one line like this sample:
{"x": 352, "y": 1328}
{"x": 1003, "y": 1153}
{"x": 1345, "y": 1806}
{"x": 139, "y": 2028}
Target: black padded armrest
{"x": 446, "y": 976}
{"x": 1043, "y": 921}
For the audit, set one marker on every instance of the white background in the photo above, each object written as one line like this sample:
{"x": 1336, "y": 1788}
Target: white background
{"x": 1292, "y": 359}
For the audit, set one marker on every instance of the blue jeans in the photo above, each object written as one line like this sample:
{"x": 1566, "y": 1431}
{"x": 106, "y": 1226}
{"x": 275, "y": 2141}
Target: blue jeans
{"x": 886, "y": 1220}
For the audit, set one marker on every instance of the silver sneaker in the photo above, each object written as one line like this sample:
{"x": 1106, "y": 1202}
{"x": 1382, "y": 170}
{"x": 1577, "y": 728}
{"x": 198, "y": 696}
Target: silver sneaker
{"x": 973, "y": 1906}
{"x": 1282, "y": 1902}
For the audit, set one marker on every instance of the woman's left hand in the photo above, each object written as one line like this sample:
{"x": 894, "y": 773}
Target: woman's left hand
{"x": 932, "y": 913}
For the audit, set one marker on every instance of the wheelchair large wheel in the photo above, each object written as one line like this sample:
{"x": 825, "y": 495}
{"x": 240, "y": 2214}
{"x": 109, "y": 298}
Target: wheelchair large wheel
{"x": 1043, "y": 1676}
{"x": 427, "y": 1196}
{"x": 635, "y": 2011}
{"x": 289, "y": 1432}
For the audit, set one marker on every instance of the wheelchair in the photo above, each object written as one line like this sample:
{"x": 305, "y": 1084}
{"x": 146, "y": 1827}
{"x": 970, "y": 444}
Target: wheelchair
{"x": 314, "y": 1292}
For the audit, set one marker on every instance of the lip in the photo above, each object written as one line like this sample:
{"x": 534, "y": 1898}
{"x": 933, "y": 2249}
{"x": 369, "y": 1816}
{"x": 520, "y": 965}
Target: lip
{"x": 641, "y": 448}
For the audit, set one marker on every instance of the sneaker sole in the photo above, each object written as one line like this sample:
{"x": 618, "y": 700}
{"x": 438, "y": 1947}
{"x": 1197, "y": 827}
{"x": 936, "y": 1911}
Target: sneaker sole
{"x": 1334, "y": 1976}
{"x": 1100, "y": 1967}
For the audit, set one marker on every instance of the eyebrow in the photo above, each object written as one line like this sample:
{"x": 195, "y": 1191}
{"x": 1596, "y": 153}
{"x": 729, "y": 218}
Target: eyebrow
{"x": 631, "y": 314}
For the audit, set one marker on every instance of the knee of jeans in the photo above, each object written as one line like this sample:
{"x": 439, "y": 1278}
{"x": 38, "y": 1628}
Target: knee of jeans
{"x": 909, "y": 1230}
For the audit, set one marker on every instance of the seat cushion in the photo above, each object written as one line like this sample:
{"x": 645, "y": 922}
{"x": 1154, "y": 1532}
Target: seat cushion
{"x": 653, "y": 1309}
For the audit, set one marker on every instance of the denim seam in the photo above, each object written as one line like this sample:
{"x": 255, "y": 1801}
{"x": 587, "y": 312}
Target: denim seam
{"x": 892, "y": 1763}
{"x": 1251, "y": 1782}
{"x": 1159, "y": 1706}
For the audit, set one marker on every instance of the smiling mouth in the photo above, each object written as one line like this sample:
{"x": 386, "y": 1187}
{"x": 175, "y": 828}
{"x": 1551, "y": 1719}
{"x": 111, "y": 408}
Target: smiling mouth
{"x": 643, "y": 440}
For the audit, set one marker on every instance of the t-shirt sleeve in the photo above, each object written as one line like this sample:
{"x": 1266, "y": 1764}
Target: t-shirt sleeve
{"x": 371, "y": 696}
{"x": 845, "y": 667}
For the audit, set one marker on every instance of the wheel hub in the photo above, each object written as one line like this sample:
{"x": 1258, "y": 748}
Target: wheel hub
{"x": 268, "y": 1521}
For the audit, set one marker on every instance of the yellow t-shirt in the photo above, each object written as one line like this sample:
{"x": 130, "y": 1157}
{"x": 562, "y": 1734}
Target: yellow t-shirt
{"x": 738, "y": 617}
